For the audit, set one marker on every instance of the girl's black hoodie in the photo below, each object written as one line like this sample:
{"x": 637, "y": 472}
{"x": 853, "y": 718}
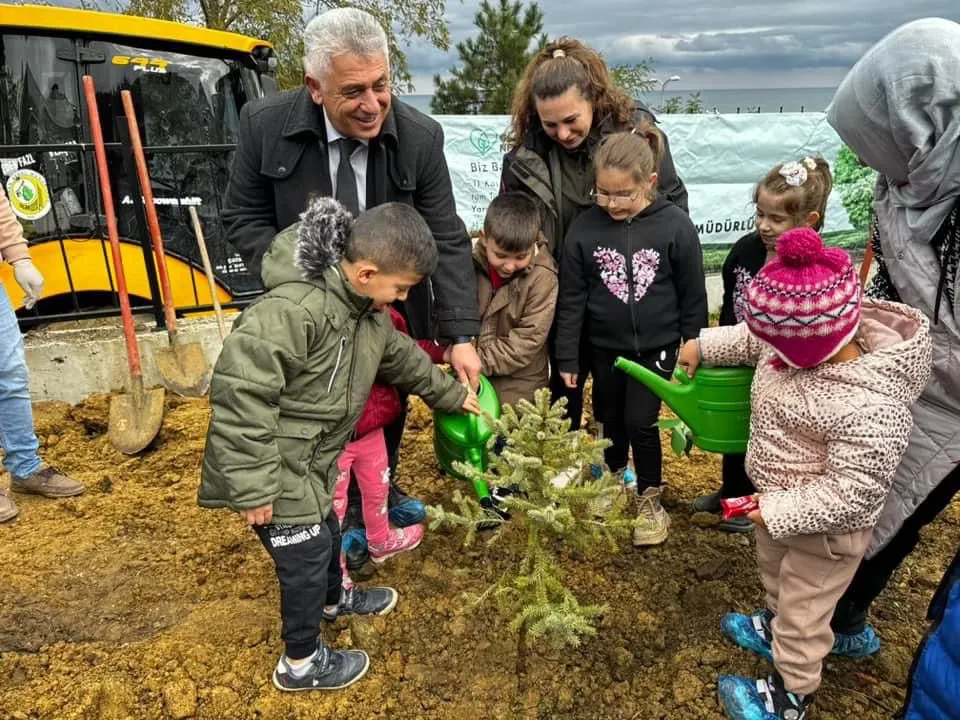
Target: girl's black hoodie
{"x": 743, "y": 262}
{"x": 637, "y": 284}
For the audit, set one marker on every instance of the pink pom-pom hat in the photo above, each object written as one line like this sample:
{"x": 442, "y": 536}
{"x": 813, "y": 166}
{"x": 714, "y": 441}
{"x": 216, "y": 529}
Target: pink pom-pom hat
{"x": 805, "y": 303}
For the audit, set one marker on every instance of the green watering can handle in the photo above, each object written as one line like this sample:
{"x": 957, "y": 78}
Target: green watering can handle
{"x": 681, "y": 375}
{"x": 473, "y": 421}
{"x": 473, "y": 427}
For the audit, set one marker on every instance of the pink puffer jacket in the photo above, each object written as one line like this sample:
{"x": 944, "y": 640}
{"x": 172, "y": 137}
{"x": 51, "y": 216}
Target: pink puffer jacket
{"x": 825, "y": 442}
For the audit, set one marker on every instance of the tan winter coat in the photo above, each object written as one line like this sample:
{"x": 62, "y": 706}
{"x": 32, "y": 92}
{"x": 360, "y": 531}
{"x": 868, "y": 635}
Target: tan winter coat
{"x": 825, "y": 442}
{"x": 514, "y": 324}
{"x": 13, "y": 246}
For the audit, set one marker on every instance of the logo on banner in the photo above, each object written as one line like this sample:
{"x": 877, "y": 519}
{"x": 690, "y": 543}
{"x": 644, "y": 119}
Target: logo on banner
{"x": 28, "y": 194}
{"x": 483, "y": 142}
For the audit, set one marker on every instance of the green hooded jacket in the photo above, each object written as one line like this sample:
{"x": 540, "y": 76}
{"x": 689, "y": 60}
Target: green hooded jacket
{"x": 290, "y": 385}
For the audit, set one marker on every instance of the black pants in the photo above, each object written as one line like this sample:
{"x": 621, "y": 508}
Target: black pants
{"x": 558, "y": 388}
{"x": 629, "y": 412}
{"x": 307, "y": 561}
{"x": 872, "y": 576}
{"x": 735, "y": 480}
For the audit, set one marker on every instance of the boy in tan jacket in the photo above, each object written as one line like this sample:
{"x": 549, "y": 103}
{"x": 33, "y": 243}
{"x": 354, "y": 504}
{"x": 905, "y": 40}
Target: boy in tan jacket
{"x": 19, "y": 441}
{"x": 517, "y": 292}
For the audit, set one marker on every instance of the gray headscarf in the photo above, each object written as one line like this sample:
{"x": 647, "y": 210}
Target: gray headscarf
{"x": 899, "y": 110}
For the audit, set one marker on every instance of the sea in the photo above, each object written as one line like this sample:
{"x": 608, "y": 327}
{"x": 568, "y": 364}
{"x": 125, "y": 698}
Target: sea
{"x": 766, "y": 100}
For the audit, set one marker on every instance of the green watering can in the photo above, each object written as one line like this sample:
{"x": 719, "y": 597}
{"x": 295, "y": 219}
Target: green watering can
{"x": 714, "y": 403}
{"x": 463, "y": 437}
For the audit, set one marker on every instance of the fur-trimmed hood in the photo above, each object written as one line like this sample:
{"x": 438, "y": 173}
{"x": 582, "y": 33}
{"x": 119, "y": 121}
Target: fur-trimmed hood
{"x": 308, "y": 248}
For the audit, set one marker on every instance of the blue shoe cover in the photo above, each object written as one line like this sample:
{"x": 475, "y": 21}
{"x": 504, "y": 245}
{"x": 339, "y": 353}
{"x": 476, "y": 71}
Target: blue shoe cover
{"x": 740, "y": 698}
{"x": 407, "y": 512}
{"x": 742, "y": 630}
{"x": 863, "y": 644}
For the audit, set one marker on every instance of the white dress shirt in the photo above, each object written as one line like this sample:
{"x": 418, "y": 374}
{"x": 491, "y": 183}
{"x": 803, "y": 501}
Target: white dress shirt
{"x": 358, "y": 161}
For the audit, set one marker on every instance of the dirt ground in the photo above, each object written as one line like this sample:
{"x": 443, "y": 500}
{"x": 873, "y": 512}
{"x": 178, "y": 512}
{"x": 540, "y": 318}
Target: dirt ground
{"x": 131, "y": 602}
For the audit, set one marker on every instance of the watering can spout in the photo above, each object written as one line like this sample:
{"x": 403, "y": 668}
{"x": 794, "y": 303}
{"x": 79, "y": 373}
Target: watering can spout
{"x": 680, "y": 396}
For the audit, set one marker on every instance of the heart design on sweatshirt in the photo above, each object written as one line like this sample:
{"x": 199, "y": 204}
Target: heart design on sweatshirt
{"x": 613, "y": 272}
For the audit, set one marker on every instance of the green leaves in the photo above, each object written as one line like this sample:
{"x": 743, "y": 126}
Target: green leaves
{"x": 634, "y": 79}
{"x": 693, "y": 105}
{"x": 281, "y": 22}
{"x": 681, "y": 438}
{"x": 855, "y": 184}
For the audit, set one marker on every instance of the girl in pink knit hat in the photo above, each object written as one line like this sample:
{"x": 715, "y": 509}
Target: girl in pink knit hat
{"x": 792, "y": 195}
{"x": 836, "y": 375}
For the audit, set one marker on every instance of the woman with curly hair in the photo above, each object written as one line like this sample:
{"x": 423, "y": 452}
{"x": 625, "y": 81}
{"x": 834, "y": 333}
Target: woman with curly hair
{"x": 565, "y": 104}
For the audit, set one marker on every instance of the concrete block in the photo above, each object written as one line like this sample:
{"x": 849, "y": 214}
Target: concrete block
{"x": 73, "y": 360}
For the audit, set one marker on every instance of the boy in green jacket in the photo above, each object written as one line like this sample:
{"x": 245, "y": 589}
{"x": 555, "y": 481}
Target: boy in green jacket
{"x": 287, "y": 391}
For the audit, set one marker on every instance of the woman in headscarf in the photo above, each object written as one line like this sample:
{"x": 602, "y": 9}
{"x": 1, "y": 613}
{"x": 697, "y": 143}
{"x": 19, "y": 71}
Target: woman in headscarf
{"x": 899, "y": 110}
{"x": 565, "y": 103}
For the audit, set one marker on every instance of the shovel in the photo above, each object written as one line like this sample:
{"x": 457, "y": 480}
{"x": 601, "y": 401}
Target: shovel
{"x": 135, "y": 417}
{"x": 183, "y": 367}
{"x": 202, "y": 244}
{"x": 867, "y": 259}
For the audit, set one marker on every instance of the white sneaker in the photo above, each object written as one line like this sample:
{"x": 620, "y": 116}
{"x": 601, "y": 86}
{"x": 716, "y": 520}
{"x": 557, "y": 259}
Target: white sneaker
{"x": 657, "y": 522}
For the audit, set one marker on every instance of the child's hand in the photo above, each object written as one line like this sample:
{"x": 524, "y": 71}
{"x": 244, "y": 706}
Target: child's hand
{"x": 755, "y": 517}
{"x": 258, "y": 516}
{"x": 446, "y": 354}
{"x": 471, "y": 404}
{"x": 569, "y": 379}
{"x": 689, "y": 357}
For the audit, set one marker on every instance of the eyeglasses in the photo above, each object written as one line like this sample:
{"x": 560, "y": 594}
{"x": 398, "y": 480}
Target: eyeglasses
{"x": 603, "y": 199}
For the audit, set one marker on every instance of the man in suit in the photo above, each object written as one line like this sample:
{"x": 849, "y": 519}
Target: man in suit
{"x": 344, "y": 135}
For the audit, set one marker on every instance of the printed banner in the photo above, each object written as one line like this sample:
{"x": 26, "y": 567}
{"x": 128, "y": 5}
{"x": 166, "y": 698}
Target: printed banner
{"x": 719, "y": 157}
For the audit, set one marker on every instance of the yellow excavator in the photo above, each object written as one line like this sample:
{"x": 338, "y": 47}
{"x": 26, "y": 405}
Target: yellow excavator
{"x": 188, "y": 85}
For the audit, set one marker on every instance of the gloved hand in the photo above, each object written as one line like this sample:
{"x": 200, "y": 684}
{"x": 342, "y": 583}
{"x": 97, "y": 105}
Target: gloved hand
{"x": 29, "y": 279}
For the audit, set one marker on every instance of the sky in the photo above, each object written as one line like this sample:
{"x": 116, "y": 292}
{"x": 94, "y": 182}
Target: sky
{"x": 710, "y": 44}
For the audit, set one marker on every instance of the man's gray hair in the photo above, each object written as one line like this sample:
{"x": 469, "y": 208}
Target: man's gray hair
{"x": 341, "y": 31}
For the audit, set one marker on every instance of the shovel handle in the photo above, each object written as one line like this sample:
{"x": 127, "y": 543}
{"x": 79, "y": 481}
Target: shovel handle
{"x": 129, "y": 334}
{"x": 865, "y": 265}
{"x": 153, "y": 222}
{"x": 202, "y": 244}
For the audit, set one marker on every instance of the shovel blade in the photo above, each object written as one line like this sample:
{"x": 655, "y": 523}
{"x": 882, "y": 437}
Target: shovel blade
{"x": 135, "y": 420}
{"x": 184, "y": 369}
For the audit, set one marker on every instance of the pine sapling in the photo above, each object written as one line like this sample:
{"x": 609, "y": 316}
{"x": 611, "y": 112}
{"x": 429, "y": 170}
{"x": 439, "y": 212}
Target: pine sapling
{"x": 555, "y": 503}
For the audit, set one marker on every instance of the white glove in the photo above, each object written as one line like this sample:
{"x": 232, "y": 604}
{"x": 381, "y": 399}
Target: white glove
{"x": 30, "y": 280}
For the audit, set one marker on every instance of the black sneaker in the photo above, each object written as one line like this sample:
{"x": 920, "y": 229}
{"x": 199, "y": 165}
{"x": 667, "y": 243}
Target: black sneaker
{"x": 492, "y": 509}
{"x": 503, "y": 491}
{"x": 329, "y": 670}
{"x": 366, "y": 601}
{"x": 708, "y": 503}
{"x": 736, "y": 525}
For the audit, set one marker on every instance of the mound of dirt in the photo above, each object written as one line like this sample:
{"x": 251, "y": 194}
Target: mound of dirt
{"x": 132, "y": 602}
